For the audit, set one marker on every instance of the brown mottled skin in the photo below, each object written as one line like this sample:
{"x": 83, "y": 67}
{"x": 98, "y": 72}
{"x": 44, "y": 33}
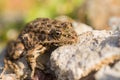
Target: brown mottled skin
{"x": 39, "y": 36}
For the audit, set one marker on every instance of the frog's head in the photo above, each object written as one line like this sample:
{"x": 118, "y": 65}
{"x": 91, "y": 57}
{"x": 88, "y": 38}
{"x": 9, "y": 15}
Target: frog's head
{"x": 59, "y": 33}
{"x": 52, "y": 31}
{"x": 15, "y": 49}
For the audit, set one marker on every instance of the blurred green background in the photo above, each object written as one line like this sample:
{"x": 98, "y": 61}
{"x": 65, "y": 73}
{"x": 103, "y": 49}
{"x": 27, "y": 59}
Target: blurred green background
{"x": 14, "y": 14}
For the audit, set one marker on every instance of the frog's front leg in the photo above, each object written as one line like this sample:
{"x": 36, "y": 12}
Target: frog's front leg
{"x": 5, "y": 68}
{"x": 32, "y": 55}
{"x": 9, "y": 65}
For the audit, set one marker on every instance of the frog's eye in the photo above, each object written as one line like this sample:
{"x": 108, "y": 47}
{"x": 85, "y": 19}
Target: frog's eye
{"x": 55, "y": 33}
{"x": 58, "y": 33}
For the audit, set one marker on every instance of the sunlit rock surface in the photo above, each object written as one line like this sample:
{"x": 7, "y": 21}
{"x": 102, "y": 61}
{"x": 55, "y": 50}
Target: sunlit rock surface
{"x": 109, "y": 72}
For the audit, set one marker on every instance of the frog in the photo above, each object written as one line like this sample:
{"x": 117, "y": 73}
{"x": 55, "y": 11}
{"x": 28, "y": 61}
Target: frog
{"x": 40, "y": 36}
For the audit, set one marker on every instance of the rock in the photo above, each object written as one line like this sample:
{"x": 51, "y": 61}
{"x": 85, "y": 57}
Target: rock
{"x": 114, "y": 23}
{"x": 80, "y": 27}
{"x": 109, "y": 72}
{"x": 94, "y": 50}
{"x": 9, "y": 77}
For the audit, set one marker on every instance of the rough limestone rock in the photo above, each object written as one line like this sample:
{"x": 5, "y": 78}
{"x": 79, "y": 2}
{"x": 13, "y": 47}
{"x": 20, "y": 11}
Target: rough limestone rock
{"x": 80, "y": 27}
{"x": 94, "y": 50}
{"x": 109, "y": 72}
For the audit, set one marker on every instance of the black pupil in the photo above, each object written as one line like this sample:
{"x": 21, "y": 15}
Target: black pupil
{"x": 55, "y": 33}
{"x": 58, "y": 32}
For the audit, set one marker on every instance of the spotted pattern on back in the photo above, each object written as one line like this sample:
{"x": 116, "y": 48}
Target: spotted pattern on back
{"x": 46, "y": 32}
